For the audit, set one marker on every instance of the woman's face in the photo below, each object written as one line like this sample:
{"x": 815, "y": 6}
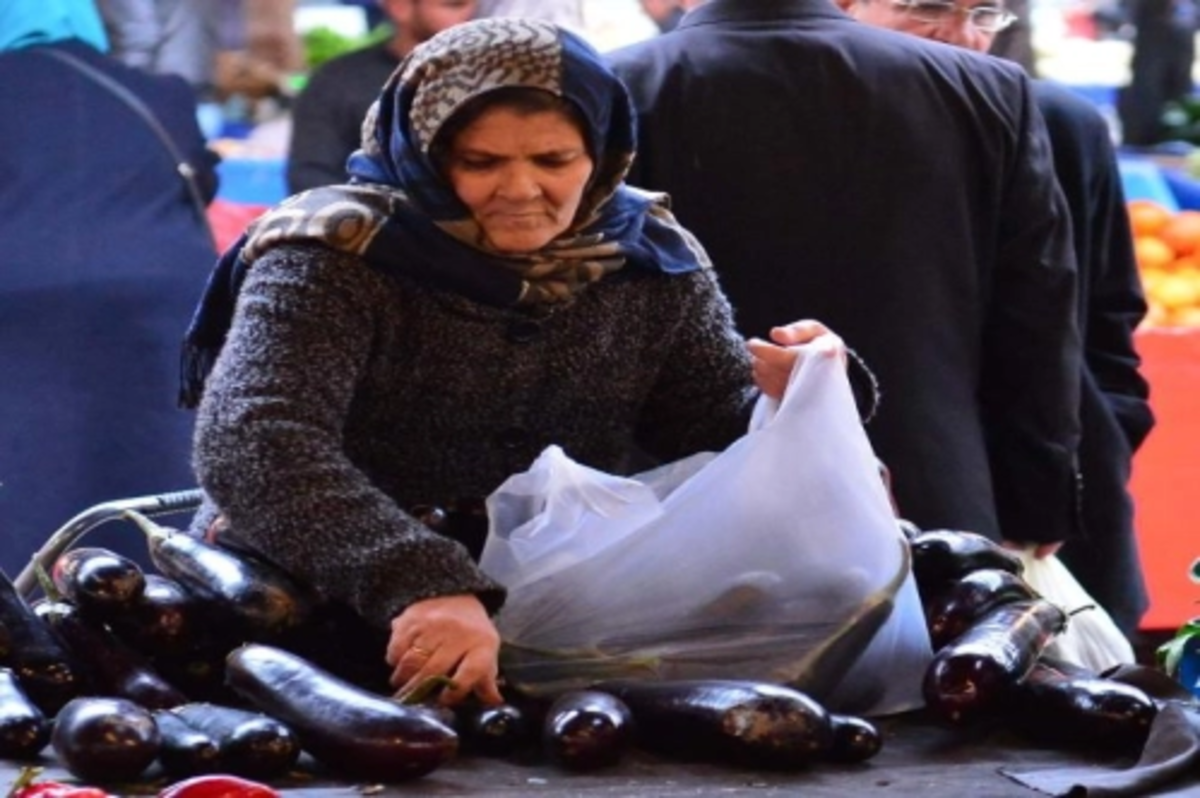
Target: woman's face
{"x": 521, "y": 175}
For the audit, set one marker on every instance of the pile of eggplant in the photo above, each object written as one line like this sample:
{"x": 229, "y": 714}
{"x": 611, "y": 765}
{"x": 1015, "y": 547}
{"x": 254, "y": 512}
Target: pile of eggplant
{"x": 221, "y": 663}
{"x": 990, "y": 631}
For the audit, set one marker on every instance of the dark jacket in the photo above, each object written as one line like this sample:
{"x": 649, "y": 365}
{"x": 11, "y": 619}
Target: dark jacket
{"x": 103, "y": 258}
{"x": 328, "y": 115}
{"x": 1115, "y": 411}
{"x": 901, "y": 191}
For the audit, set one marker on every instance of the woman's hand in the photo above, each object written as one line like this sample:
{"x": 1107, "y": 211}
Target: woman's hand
{"x": 1039, "y": 550}
{"x": 773, "y": 362}
{"x": 447, "y": 636}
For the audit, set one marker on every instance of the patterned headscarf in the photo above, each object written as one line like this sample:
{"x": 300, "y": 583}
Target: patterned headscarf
{"x": 402, "y": 217}
{"x": 25, "y": 23}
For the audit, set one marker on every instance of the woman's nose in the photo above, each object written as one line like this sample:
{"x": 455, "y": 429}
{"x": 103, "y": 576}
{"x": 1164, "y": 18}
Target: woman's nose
{"x": 518, "y": 182}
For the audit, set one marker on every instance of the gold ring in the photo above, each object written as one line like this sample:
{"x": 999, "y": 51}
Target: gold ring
{"x": 421, "y": 652}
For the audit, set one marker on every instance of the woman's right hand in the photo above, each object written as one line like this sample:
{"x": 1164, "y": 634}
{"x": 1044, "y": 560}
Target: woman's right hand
{"x": 448, "y": 636}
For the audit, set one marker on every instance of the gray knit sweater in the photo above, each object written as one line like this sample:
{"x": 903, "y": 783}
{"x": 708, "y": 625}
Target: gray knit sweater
{"x": 344, "y": 397}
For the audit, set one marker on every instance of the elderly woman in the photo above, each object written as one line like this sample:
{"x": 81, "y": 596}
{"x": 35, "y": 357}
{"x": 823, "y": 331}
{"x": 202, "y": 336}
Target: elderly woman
{"x": 484, "y": 286}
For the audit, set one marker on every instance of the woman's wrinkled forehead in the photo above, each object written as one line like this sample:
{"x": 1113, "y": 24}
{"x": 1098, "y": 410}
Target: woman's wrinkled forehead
{"x": 472, "y": 59}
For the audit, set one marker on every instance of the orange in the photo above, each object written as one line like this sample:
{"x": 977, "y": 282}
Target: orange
{"x": 1186, "y": 317}
{"x": 1147, "y": 217}
{"x": 1177, "y": 291}
{"x": 1152, "y": 253}
{"x": 1182, "y": 232}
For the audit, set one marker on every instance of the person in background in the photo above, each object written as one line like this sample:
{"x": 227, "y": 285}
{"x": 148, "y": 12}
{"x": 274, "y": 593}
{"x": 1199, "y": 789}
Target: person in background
{"x": 105, "y": 251}
{"x": 1164, "y": 50}
{"x": 1115, "y": 411}
{"x": 665, "y": 13}
{"x": 328, "y": 113}
{"x": 903, "y": 192}
{"x": 398, "y": 342}
{"x": 1014, "y": 42}
{"x": 175, "y": 37}
{"x": 568, "y": 13}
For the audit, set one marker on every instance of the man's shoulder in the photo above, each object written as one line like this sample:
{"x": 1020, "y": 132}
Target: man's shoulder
{"x": 373, "y": 60}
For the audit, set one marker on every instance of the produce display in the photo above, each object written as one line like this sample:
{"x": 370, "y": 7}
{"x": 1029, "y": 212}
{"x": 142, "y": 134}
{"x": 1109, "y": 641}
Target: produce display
{"x": 1167, "y": 248}
{"x": 95, "y": 670}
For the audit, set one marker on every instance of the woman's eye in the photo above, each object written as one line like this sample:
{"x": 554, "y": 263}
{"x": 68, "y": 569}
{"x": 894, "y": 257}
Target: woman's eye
{"x": 476, "y": 164}
{"x": 555, "y": 161}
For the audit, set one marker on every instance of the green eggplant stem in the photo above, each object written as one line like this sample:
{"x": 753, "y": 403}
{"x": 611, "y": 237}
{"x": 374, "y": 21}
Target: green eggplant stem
{"x": 25, "y": 778}
{"x": 426, "y": 689}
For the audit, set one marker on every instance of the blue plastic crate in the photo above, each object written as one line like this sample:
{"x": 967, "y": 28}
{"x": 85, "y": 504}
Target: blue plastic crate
{"x": 1143, "y": 179}
{"x": 253, "y": 181}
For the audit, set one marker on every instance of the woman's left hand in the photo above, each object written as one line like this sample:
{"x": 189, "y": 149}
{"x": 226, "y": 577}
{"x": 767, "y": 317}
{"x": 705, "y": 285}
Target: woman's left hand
{"x": 773, "y": 361}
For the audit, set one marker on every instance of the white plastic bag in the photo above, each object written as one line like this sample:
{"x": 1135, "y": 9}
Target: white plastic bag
{"x": 777, "y": 559}
{"x": 1092, "y": 640}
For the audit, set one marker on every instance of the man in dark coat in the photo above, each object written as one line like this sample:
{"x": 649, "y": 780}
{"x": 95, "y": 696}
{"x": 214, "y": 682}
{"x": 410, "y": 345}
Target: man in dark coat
{"x": 104, "y": 254}
{"x": 1115, "y": 412}
{"x": 902, "y": 192}
{"x": 328, "y": 116}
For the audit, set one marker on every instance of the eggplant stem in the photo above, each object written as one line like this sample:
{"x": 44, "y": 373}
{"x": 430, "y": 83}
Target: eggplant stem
{"x": 24, "y": 779}
{"x": 426, "y": 689}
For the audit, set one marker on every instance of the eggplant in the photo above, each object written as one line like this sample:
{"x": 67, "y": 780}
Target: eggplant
{"x": 105, "y": 740}
{"x": 115, "y": 669}
{"x": 185, "y": 750}
{"x": 249, "y": 744}
{"x": 950, "y": 611}
{"x": 49, "y": 675}
{"x": 101, "y": 583}
{"x": 855, "y": 739}
{"x": 24, "y": 730}
{"x": 973, "y": 674}
{"x": 164, "y": 620}
{"x": 348, "y": 729}
{"x": 941, "y": 555}
{"x": 732, "y": 720}
{"x": 1053, "y": 708}
{"x": 253, "y": 599}
{"x": 587, "y": 730}
{"x": 493, "y": 730}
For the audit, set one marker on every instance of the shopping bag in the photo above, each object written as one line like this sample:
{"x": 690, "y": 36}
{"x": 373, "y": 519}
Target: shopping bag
{"x": 777, "y": 559}
{"x": 1092, "y": 640}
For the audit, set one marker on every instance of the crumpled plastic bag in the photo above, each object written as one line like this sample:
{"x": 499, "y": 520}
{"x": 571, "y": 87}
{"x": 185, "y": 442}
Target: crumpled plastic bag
{"x": 777, "y": 559}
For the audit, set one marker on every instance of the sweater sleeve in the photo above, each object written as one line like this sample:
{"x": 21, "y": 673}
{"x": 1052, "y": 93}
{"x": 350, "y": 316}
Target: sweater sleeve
{"x": 705, "y": 392}
{"x": 269, "y": 448}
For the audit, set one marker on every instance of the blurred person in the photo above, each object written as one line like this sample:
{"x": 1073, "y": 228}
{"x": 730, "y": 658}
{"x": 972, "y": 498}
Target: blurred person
{"x": 104, "y": 255}
{"x": 1164, "y": 49}
{"x": 328, "y": 114}
{"x": 568, "y": 13}
{"x": 903, "y": 192}
{"x": 1115, "y": 411}
{"x": 665, "y": 13}
{"x": 176, "y": 37}
{"x": 1014, "y": 42}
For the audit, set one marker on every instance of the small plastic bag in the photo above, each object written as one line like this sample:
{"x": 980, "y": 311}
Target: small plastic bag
{"x": 776, "y": 559}
{"x": 1092, "y": 640}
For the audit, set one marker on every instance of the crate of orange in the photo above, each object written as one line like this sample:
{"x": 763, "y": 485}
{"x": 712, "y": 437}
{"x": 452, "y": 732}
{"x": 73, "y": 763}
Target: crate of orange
{"x": 1167, "y": 247}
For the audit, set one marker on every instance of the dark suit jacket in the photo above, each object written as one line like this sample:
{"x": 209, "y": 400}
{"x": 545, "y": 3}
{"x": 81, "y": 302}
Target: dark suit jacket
{"x": 1115, "y": 412}
{"x": 901, "y": 191}
{"x": 103, "y": 258}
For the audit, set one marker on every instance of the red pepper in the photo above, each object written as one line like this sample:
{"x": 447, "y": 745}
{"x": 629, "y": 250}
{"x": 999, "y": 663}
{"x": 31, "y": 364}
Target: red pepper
{"x": 54, "y": 789}
{"x": 217, "y": 786}
{"x": 25, "y": 786}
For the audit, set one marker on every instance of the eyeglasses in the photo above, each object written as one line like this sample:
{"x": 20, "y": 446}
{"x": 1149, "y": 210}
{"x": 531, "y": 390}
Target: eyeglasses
{"x": 989, "y": 19}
